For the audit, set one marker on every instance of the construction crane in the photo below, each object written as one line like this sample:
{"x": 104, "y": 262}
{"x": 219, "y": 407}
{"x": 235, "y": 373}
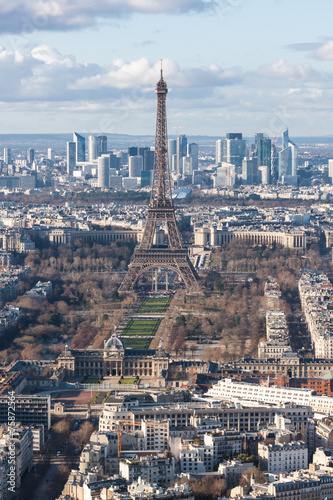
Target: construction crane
{"x": 122, "y": 424}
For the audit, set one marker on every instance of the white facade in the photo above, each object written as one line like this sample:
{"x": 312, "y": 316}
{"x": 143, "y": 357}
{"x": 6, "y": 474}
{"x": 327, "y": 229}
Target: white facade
{"x": 103, "y": 171}
{"x": 232, "y": 470}
{"x": 316, "y": 294}
{"x": 158, "y": 469}
{"x": 276, "y": 458}
{"x": 92, "y": 148}
{"x": 135, "y": 166}
{"x": 205, "y": 457}
{"x": 156, "y": 435}
{"x": 228, "y": 389}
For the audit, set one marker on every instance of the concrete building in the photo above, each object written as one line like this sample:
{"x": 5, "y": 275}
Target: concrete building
{"x": 19, "y": 446}
{"x": 135, "y": 166}
{"x": 29, "y": 410}
{"x": 277, "y": 458}
{"x": 214, "y": 236}
{"x": 228, "y": 389}
{"x": 157, "y": 468}
{"x": 232, "y": 471}
{"x": 71, "y": 157}
{"x": 103, "y": 175}
{"x": 316, "y": 294}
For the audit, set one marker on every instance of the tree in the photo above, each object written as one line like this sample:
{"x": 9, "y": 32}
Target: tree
{"x": 80, "y": 437}
{"x": 245, "y": 480}
{"x": 208, "y": 488}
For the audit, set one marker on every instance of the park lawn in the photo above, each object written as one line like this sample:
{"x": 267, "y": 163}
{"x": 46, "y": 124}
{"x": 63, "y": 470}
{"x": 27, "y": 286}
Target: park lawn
{"x": 151, "y": 305}
{"x": 138, "y": 327}
{"x": 128, "y": 380}
{"x": 137, "y": 343}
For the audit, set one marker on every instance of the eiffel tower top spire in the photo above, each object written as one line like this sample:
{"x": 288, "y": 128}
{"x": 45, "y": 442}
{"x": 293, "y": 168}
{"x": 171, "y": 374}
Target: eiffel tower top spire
{"x": 161, "y": 196}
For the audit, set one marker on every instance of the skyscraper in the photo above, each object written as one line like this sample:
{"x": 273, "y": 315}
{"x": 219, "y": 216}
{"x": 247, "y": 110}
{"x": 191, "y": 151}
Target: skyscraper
{"x": 92, "y": 148}
{"x": 187, "y": 166}
{"x": 71, "y": 157}
{"x": 288, "y": 161}
{"x": 181, "y": 151}
{"x": 193, "y": 152}
{"x": 80, "y": 147}
{"x": 30, "y": 156}
{"x": 7, "y": 156}
{"x": 135, "y": 166}
{"x": 231, "y": 150}
{"x": 148, "y": 159}
{"x": 50, "y": 154}
{"x": 264, "y": 150}
{"x": 330, "y": 170}
{"x": 247, "y": 171}
{"x": 102, "y": 145}
{"x": 172, "y": 150}
{"x": 103, "y": 174}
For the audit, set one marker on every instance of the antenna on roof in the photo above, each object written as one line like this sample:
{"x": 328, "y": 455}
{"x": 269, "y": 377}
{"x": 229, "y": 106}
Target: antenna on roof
{"x": 162, "y": 69}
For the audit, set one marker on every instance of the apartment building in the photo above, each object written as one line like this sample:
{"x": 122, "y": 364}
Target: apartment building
{"x": 287, "y": 457}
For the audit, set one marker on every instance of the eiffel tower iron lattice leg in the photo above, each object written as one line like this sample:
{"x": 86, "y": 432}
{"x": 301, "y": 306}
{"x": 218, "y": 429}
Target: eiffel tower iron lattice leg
{"x": 161, "y": 210}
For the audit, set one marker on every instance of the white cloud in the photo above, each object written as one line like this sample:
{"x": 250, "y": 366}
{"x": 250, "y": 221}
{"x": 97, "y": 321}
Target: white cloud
{"x": 141, "y": 73}
{"x": 287, "y": 71}
{"x": 43, "y": 81}
{"x": 26, "y": 16}
{"x": 325, "y": 51}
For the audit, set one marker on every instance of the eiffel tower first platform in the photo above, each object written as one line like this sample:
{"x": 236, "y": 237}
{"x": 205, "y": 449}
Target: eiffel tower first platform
{"x": 161, "y": 210}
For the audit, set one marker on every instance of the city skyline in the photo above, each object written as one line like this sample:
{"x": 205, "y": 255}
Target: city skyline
{"x": 230, "y": 65}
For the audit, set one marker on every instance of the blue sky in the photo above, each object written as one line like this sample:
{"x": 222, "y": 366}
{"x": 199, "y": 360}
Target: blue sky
{"x": 230, "y": 65}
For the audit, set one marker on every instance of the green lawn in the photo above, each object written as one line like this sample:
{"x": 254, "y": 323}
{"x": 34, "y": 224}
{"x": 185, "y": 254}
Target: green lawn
{"x": 137, "y": 343}
{"x": 128, "y": 380}
{"x": 151, "y": 305}
{"x": 141, "y": 327}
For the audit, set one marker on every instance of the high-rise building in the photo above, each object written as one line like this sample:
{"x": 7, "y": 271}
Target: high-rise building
{"x": 264, "y": 151}
{"x": 193, "y": 152}
{"x": 135, "y": 166}
{"x": 288, "y": 161}
{"x": 50, "y": 154}
{"x": 146, "y": 178}
{"x": 71, "y": 157}
{"x": 7, "y": 156}
{"x": 132, "y": 151}
{"x": 115, "y": 161}
{"x": 181, "y": 151}
{"x": 231, "y": 150}
{"x": 92, "y": 148}
{"x": 264, "y": 174}
{"x": 247, "y": 171}
{"x": 103, "y": 171}
{"x": 148, "y": 160}
{"x": 187, "y": 166}
{"x": 172, "y": 150}
{"x": 102, "y": 145}
{"x": 330, "y": 170}
{"x": 80, "y": 147}
{"x": 225, "y": 175}
{"x": 30, "y": 156}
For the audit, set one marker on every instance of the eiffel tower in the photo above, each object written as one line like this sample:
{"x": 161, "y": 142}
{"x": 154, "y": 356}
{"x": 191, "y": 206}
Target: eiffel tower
{"x": 161, "y": 210}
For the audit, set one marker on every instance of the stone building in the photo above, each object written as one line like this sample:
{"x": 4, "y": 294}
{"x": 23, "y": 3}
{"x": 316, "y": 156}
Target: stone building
{"x": 115, "y": 361}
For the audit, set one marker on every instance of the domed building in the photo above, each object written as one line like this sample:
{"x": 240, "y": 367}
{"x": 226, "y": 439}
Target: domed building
{"x": 115, "y": 361}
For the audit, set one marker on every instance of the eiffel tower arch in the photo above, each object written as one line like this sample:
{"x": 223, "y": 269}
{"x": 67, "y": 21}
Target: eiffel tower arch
{"x": 161, "y": 211}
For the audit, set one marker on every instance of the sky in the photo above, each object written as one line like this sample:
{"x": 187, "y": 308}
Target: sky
{"x": 231, "y": 66}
